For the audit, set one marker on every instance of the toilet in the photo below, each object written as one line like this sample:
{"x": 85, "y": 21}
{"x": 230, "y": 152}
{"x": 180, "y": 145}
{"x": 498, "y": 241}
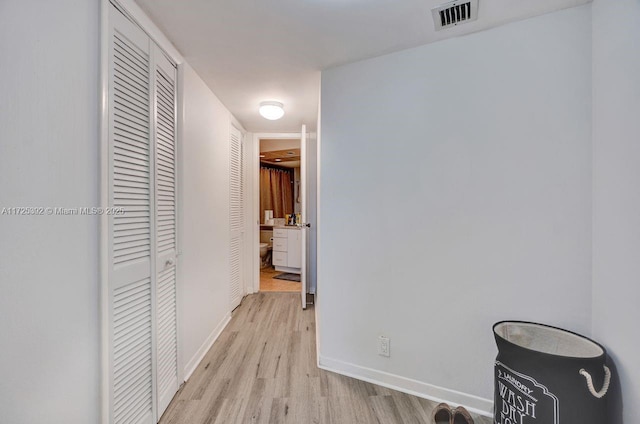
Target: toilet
{"x": 264, "y": 252}
{"x": 266, "y": 241}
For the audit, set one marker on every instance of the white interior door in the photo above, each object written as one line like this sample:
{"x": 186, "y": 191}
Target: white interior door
{"x": 303, "y": 215}
{"x": 166, "y": 225}
{"x": 131, "y": 239}
{"x": 142, "y": 234}
{"x": 236, "y": 216}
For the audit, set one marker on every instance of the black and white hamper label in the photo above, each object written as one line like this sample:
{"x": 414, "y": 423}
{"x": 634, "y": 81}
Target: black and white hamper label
{"x": 520, "y": 399}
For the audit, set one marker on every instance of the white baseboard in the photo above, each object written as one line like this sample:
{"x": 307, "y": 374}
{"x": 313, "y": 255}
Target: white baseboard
{"x": 475, "y": 404}
{"x": 197, "y": 358}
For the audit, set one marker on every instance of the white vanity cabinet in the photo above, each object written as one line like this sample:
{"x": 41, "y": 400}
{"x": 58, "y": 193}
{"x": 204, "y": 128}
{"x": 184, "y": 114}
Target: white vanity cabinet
{"x": 287, "y": 249}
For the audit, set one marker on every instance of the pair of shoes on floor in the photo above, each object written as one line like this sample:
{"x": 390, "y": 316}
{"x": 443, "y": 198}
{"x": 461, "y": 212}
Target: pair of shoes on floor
{"x": 443, "y": 414}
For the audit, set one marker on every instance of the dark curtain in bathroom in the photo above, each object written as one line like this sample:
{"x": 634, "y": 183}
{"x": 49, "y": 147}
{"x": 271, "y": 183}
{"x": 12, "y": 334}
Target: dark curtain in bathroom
{"x": 276, "y": 191}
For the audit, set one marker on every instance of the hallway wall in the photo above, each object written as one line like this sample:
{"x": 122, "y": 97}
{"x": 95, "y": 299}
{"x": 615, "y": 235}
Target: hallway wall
{"x": 204, "y": 184}
{"x": 455, "y": 192}
{"x": 49, "y": 157}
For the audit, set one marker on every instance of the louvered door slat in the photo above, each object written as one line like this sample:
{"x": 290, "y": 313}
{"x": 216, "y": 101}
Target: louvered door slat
{"x": 128, "y": 88}
{"x": 130, "y": 135}
{"x": 125, "y": 150}
{"x": 165, "y": 112}
{"x": 130, "y": 322}
{"x": 132, "y": 375}
{"x": 129, "y": 111}
{"x": 135, "y": 66}
{"x": 126, "y": 374}
{"x": 130, "y": 173}
{"x": 130, "y": 181}
{"x": 132, "y": 50}
{"x": 132, "y": 147}
{"x": 123, "y": 96}
{"x": 130, "y": 62}
{"x": 164, "y": 143}
{"x": 132, "y": 351}
{"x": 128, "y": 100}
{"x": 130, "y": 130}
{"x": 166, "y": 185}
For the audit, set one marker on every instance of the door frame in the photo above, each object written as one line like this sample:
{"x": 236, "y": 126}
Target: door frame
{"x": 255, "y": 204}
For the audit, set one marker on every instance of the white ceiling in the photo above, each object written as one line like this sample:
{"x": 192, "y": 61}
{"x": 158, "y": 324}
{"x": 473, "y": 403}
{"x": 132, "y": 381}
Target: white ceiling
{"x": 248, "y": 51}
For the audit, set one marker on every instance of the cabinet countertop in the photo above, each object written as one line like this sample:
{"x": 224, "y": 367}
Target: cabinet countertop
{"x": 283, "y": 227}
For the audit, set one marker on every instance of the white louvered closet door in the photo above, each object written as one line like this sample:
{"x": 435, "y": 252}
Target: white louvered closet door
{"x": 165, "y": 130}
{"x": 130, "y": 284}
{"x": 236, "y": 216}
{"x": 143, "y": 348}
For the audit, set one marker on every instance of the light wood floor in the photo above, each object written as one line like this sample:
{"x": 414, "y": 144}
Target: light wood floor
{"x": 262, "y": 369}
{"x": 270, "y": 284}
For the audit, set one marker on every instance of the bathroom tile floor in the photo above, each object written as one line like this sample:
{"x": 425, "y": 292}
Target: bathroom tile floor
{"x": 270, "y": 284}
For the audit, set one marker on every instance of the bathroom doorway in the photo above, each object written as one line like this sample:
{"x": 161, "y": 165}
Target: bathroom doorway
{"x": 280, "y": 207}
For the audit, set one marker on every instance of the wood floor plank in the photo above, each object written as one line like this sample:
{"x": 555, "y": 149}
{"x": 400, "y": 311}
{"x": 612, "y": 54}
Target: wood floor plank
{"x": 411, "y": 410}
{"x": 262, "y": 370}
{"x": 385, "y": 409}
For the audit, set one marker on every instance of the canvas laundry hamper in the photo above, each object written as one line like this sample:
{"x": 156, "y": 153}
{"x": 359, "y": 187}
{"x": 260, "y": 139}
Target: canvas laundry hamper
{"x": 546, "y": 375}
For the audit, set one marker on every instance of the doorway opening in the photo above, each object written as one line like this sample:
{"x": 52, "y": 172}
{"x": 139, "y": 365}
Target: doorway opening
{"x": 294, "y": 237}
{"x": 280, "y": 208}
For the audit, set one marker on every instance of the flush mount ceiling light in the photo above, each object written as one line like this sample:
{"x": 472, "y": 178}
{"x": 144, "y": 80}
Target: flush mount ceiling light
{"x": 271, "y": 110}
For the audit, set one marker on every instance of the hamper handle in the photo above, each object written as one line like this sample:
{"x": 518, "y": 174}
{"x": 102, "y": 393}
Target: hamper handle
{"x": 605, "y": 385}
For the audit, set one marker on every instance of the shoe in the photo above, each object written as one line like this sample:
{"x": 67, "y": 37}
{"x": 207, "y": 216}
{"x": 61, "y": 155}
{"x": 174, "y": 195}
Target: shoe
{"x": 442, "y": 414}
{"x": 460, "y": 415}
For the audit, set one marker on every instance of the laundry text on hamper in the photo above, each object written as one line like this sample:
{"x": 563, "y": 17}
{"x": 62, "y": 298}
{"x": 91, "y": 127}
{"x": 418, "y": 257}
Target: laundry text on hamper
{"x": 521, "y": 399}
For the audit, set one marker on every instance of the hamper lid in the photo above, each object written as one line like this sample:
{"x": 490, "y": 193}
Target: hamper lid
{"x": 546, "y": 339}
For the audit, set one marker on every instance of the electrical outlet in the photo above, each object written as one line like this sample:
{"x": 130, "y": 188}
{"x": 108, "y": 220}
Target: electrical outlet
{"x": 384, "y": 346}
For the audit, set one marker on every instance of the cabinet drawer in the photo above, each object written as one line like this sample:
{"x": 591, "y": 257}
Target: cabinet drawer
{"x": 280, "y": 232}
{"x": 279, "y": 258}
{"x": 280, "y": 244}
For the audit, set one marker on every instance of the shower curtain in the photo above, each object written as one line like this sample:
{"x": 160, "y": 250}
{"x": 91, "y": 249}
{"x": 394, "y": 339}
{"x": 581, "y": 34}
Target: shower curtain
{"x": 276, "y": 191}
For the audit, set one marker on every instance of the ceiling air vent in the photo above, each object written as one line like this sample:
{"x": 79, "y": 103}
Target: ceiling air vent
{"x": 454, "y": 13}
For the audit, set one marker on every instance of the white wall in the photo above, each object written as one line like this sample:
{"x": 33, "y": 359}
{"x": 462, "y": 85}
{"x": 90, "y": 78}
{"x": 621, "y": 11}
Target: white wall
{"x": 204, "y": 264}
{"x": 49, "y": 310}
{"x": 616, "y": 195}
{"x": 456, "y": 192}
